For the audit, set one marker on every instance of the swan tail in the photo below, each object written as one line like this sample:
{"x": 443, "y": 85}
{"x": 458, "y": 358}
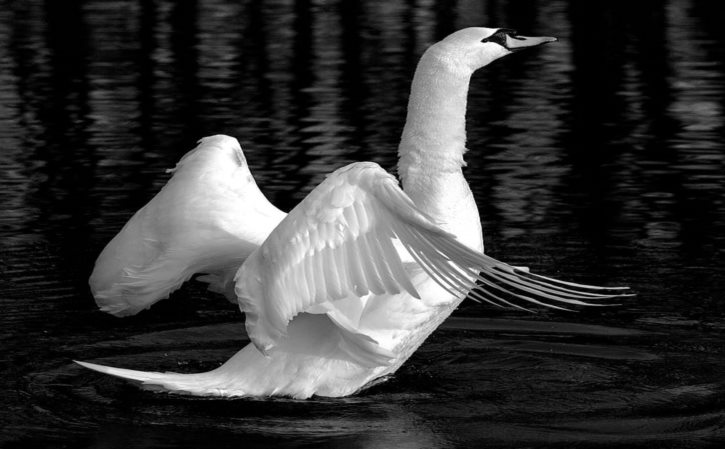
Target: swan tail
{"x": 195, "y": 384}
{"x": 127, "y": 374}
{"x": 249, "y": 373}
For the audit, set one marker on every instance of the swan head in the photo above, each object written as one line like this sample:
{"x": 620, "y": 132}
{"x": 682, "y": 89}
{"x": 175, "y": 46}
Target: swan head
{"x": 470, "y": 49}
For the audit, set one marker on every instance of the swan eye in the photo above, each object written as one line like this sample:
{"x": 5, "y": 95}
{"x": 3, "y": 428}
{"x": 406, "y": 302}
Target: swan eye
{"x": 499, "y": 37}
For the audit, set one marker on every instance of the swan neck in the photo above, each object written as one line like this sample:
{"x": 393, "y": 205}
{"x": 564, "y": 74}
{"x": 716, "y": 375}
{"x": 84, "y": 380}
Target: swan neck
{"x": 432, "y": 147}
{"x": 435, "y": 129}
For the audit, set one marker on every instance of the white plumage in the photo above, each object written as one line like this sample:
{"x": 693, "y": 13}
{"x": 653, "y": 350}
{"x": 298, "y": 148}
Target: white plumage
{"x": 346, "y": 287}
{"x": 208, "y": 218}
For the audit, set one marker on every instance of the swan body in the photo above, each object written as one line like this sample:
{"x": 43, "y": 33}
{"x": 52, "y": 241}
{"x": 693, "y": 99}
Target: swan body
{"x": 342, "y": 290}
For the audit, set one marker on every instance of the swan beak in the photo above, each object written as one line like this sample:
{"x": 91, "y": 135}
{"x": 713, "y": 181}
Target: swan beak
{"x": 517, "y": 43}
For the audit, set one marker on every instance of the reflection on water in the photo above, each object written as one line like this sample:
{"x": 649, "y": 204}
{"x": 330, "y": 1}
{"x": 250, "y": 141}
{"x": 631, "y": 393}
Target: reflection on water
{"x": 597, "y": 159}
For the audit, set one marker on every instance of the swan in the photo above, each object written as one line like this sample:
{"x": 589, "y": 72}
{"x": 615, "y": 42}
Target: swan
{"x": 342, "y": 290}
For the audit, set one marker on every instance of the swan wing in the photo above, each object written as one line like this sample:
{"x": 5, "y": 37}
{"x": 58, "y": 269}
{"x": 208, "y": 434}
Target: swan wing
{"x": 337, "y": 243}
{"x": 208, "y": 218}
{"x": 340, "y": 242}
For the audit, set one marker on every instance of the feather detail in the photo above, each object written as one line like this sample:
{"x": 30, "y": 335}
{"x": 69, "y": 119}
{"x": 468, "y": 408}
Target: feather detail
{"x": 374, "y": 212}
{"x": 191, "y": 226}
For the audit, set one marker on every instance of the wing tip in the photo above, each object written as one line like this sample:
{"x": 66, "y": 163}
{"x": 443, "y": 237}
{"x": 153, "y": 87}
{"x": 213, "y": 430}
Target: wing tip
{"x": 521, "y": 284}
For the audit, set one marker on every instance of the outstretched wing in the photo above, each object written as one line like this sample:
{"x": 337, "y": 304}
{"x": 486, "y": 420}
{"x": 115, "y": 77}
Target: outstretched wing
{"x": 339, "y": 242}
{"x": 208, "y": 218}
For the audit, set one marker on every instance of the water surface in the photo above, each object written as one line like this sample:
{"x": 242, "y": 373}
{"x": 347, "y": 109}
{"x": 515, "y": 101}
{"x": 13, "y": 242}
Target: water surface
{"x": 598, "y": 159}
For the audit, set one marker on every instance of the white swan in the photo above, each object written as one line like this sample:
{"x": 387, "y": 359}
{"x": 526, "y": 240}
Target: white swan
{"x": 348, "y": 285}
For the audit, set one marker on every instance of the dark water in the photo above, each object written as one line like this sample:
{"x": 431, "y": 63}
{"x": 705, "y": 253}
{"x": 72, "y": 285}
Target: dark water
{"x": 598, "y": 159}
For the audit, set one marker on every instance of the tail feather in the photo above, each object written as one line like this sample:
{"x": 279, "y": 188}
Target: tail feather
{"x": 249, "y": 373}
{"x": 194, "y": 384}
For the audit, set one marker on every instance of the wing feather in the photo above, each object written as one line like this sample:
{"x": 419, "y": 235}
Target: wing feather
{"x": 393, "y": 261}
{"x": 371, "y": 275}
{"x": 386, "y": 276}
{"x": 306, "y": 275}
{"x": 341, "y": 239}
{"x": 321, "y": 274}
{"x": 335, "y": 287}
{"x": 192, "y": 225}
{"x": 359, "y": 285}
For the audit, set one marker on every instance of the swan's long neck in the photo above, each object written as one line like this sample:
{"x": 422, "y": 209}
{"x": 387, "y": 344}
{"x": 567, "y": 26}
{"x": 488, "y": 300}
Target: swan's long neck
{"x": 432, "y": 147}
